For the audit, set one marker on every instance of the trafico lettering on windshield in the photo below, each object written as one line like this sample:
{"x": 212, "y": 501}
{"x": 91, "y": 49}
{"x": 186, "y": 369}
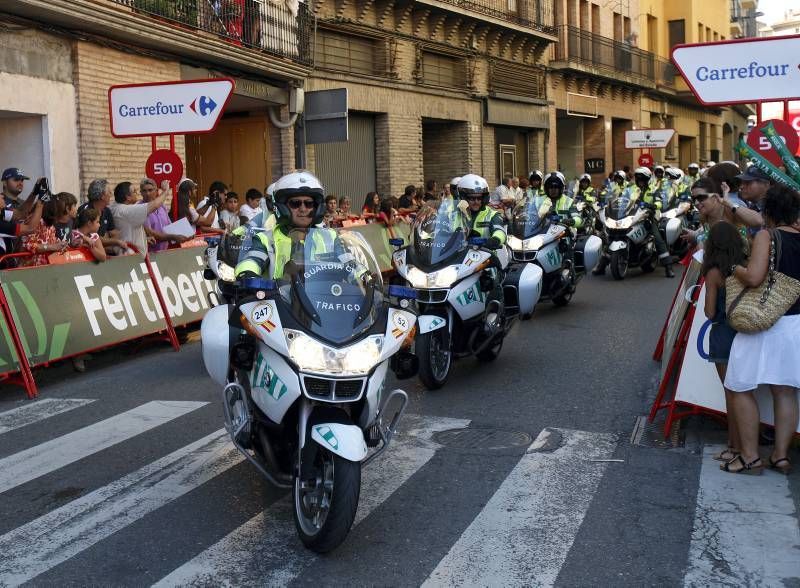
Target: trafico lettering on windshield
{"x": 338, "y": 306}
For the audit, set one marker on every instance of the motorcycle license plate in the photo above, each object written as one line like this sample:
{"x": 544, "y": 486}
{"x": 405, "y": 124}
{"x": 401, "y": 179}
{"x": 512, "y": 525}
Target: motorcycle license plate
{"x": 637, "y": 233}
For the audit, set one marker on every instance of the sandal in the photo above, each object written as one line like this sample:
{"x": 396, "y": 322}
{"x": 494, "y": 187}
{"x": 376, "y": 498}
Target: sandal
{"x": 748, "y": 469}
{"x": 775, "y": 465}
{"x": 726, "y": 454}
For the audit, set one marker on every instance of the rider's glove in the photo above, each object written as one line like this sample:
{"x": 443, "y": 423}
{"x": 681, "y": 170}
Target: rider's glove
{"x": 493, "y": 243}
{"x": 247, "y": 274}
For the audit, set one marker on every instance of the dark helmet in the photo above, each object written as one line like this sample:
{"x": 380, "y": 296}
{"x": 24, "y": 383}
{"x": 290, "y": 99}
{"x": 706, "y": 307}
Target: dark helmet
{"x": 472, "y": 184}
{"x": 555, "y": 179}
{"x": 298, "y": 183}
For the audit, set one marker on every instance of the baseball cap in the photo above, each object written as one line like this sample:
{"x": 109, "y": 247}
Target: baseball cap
{"x": 753, "y": 173}
{"x": 14, "y": 172}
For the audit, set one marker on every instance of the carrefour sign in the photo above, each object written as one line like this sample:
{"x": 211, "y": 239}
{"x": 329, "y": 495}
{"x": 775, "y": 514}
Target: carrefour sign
{"x": 166, "y": 108}
{"x": 741, "y": 71}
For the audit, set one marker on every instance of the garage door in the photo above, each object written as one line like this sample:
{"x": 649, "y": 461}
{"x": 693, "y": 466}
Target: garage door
{"x": 348, "y": 169}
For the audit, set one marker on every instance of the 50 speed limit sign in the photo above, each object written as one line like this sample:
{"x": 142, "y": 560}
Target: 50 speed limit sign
{"x": 164, "y": 164}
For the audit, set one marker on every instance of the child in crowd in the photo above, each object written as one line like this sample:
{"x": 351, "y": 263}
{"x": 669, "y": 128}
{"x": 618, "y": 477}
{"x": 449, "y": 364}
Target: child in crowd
{"x": 230, "y": 214}
{"x": 723, "y": 250}
{"x": 331, "y": 219}
{"x": 85, "y": 235}
{"x": 252, "y": 206}
{"x": 50, "y": 237}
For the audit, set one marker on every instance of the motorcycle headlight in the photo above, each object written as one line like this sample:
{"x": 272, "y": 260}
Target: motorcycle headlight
{"x": 225, "y": 272}
{"x": 444, "y": 278}
{"x": 418, "y": 279}
{"x": 535, "y": 243}
{"x": 514, "y": 243}
{"x": 314, "y": 357}
{"x": 611, "y": 223}
{"x": 625, "y": 223}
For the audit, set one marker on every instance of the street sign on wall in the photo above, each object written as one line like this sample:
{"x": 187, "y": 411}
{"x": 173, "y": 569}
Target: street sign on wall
{"x": 166, "y": 108}
{"x": 595, "y": 165}
{"x": 325, "y": 116}
{"x": 741, "y": 71}
{"x": 648, "y": 138}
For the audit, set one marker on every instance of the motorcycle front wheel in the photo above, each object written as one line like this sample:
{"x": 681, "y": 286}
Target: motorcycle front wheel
{"x": 325, "y": 501}
{"x": 619, "y": 264}
{"x": 434, "y": 359}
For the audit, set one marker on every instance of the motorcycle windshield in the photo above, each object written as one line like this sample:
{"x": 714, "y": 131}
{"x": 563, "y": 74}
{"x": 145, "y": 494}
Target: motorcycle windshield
{"x": 529, "y": 218}
{"x": 439, "y": 234}
{"x": 620, "y": 206}
{"x": 331, "y": 282}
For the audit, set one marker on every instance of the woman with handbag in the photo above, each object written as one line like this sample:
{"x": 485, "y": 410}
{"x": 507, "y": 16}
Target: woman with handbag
{"x": 763, "y": 305}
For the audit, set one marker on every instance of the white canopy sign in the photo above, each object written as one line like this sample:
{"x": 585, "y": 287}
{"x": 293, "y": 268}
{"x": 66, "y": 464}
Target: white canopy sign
{"x": 648, "y": 138}
{"x": 741, "y": 71}
{"x": 167, "y": 108}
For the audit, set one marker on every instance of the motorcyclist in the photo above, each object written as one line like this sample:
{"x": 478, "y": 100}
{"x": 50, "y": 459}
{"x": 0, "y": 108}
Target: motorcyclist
{"x": 485, "y": 222}
{"x": 585, "y": 190}
{"x": 299, "y": 206}
{"x": 454, "y": 186}
{"x": 677, "y": 192}
{"x": 563, "y": 205}
{"x": 692, "y": 175}
{"x": 657, "y": 181}
{"x": 535, "y": 188}
{"x": 643, "y": 192}
{"x": 617, "y": 186}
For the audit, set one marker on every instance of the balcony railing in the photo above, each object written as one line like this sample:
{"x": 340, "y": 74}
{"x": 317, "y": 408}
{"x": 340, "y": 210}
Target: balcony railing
{"x": 612, "y": 57}
{"x": 665, "y": 72}
{"x": 531, "y": 14}
{"x": 262, "y": 24}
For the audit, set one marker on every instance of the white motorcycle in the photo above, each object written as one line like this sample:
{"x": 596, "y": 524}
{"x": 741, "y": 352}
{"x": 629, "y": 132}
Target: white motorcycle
{"x": 467, "y": 301}
{"x": 630, "y": 244}
{"x": 536, "y": 236}
{"x": 302, "y": 362}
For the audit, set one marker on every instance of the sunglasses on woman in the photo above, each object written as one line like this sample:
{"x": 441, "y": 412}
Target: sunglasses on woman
{"x": 697, "y": 198}
{"x": 295, "y": 204}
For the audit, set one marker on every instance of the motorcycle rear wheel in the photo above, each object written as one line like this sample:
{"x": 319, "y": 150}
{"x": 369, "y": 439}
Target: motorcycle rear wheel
{"x": 434, "y": 359}
{"x": 619, "y": 264}
{"x": 325, "y": 507}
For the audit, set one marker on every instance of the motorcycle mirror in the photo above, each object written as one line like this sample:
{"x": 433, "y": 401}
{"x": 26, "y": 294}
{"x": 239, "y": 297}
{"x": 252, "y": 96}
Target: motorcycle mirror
{"x": 209, "y": 274}
{"x": 477, "y": 241}
{"x": 212, "y": 241}
{"x": 404, "y": 365}
{"x": 396, "y": 242}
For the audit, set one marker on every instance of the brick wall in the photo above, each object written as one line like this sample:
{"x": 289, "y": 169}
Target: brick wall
{"x": 622, "y": 156}
{"x": 445, "y": 151}
{"x": 594, "y": 145}
{"x": 97, "y": 68}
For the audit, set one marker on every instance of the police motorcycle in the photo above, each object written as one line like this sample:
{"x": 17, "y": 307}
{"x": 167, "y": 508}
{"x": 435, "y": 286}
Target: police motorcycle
{"x": 537, "y": 236}
{"x": 301, "y": 361}
{"x": 677, "y": 215}
{"x": 630, "y": 244}
{"x": 450, "y": 276}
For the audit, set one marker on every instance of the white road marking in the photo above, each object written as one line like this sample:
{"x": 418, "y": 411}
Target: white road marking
{"x": 38, "y": 410}
{"x": 745, "y": 529}
{"x": 524, "y": 533}
{"x": 265, "y": 550}
{"x": 43, "y": 543}
{"x": 47, "y": 457}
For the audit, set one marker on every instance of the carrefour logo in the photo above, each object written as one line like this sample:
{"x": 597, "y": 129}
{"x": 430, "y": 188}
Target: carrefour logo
{"x": 202, "y": 105}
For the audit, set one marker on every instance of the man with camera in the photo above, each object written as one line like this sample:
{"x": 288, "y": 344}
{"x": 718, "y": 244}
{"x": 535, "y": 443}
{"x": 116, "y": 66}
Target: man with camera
{"x": 18, "y": 217}
{"x": 217, "y": 194}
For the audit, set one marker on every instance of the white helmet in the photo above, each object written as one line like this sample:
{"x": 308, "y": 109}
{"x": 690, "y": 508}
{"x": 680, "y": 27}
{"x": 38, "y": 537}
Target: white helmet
{"x": 585, "y": 177}
{"x": 536, "y": 174}
{"x": 620, "y": 174}
{"x": 298, "y": 183}
{"x": 454, "y": 184}
{"x": 711, "y": 164}
{"x": 674, "y": 173}
{"x": 643, "y": 171}
{"x": 693, "y": 165}
{"x": 555, "y": 178}
{"x": 658, "y": 167}
{"x": 471, "y": 184}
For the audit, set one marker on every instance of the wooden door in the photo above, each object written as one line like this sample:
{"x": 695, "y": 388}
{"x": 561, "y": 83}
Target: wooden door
{"x": 237, "y": 153}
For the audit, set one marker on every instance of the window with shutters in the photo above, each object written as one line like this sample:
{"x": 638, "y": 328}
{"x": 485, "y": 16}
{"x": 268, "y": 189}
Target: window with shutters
{"x": 349, "y": 53}
{"x": 443, "y": 70}
{"x": 517, "y": 80}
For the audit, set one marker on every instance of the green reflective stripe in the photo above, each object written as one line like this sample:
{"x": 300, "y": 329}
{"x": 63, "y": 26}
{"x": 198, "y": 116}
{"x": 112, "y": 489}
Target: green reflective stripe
{"x": 323, "y": 241}
{"x": 248, "y": 265}
{"x": 499, "y": 235}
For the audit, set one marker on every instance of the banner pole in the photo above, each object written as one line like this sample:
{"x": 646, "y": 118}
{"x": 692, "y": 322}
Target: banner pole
{"x": 24, "y": 365}
{"x": 173, "y": 336}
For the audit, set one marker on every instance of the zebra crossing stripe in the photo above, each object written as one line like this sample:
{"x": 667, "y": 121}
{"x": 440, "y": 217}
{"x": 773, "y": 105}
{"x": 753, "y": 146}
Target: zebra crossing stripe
{"x": 42, "y": 459}
{"x": 524, "y": 533}
{"x": 45, "y": 542}
{"x": 745, "y": 529}
{"x": 271, "y": 534}
{"x": 36, "y": 411}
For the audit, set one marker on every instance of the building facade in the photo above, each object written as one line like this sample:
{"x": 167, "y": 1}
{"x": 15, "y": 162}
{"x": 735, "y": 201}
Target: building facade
{"x": 61, "y": 56}
{"x": 436, "y": 89}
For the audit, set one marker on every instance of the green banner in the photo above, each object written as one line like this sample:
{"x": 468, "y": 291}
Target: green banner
{"x": 8, "y": 355}
{"x": 63, "y": 310}
{"x": 179, "y": 273}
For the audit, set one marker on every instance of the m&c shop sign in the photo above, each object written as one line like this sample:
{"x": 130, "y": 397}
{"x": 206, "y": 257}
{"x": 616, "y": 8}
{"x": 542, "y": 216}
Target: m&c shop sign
{"x": 168, "y": 108}
{"x": 741, "y": 71}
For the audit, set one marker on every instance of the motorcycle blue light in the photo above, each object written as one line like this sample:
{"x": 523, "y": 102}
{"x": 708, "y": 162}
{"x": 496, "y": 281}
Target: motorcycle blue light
{"x": 258, "y": 284}
{"x": 402, "y": 292}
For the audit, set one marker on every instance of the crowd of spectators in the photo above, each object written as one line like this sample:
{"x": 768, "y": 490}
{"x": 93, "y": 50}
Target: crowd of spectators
{"x": 745, "y": 216}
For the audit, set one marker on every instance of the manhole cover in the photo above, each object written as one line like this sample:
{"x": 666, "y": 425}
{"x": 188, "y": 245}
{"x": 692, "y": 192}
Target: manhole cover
{"x": 482, "y": 438}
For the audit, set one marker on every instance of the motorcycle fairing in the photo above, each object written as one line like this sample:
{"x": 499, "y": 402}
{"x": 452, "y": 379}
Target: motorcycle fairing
{"x": 274, "y": 386}
{"x": 617, "y": 245}
{"x": 398, "y": 326}
{"x": 215, "y": 334}
{"x": 264, "y": 317}
{"x": 346, "y": 441}
{"x": 430, "y": 322}
{"x": 467, "y": 298}
{"x": 637, "y": 234}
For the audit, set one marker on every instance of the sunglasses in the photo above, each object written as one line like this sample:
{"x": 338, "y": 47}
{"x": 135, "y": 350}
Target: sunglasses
{"x": 295, "y": 204}
{"x": 474, "y": 198}
{"x": 701, "y": 198}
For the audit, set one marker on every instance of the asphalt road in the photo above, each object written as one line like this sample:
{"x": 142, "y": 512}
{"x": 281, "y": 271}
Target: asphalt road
{"x": 484, "y": 508}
